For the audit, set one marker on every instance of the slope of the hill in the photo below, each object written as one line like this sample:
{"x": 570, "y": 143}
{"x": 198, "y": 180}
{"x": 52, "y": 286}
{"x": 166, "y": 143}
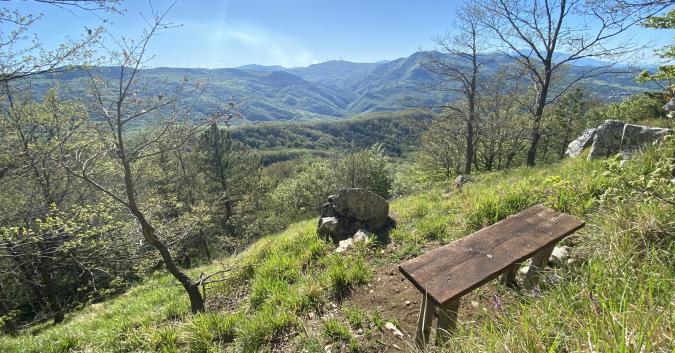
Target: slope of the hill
{"x": 290, "y": 292}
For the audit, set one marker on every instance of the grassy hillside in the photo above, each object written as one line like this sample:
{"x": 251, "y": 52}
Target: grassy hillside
{"x": 290, "y": 292}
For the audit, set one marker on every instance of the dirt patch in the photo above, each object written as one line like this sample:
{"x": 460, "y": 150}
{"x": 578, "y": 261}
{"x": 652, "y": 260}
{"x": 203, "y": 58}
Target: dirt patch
{"x": 398, "y": 301}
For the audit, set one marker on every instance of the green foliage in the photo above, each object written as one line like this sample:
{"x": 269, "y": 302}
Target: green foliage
{"x": 335, "y": 331}
{"x": 633, "y": 109}
{"x": 666, "y": 72}
{"x": 211, "y": 328}
{"x": 652, "y": 180}
{"x": 397, "y": 132}
{"x": 368, "y": 169}
{"x": 302, "y": 194}
{"x": 567, "y": 119}
{"x": 342, "y": 273}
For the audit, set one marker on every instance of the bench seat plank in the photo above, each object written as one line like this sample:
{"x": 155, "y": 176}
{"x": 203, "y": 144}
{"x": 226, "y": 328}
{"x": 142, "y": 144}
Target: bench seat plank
{"x": 453, "y": 270}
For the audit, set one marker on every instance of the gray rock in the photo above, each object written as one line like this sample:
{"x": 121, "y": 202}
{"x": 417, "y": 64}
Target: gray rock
{"x": 393, "y": 329}
{"x": 559, "y": 256}
{"x": 615, "y": 136}
{"x": 461, "y": 180}
{"x": 577, "y": 146}
{"x": 352, "y": 211}
{"x": 524, "y": 270}
{"x": 345, "y": 245}
{"x": 365, "y": 207}
{"x": 327, "y": 210}
{"x": 607, "y": 141}
{"x": 328, "y": 226}
{"x": 362, "y": 235}
{"x": 636, "y": 137}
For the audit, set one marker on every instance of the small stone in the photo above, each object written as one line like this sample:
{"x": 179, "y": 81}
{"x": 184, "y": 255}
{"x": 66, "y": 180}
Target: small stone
{"x": 371, "y": 291}
{"x": 523, "y": 270}
{"x": 382, "y": 251}
{"x": 312, "y": 316}
{"x": 345, "y": 245}
{"x": 474, "y": 304}
{"x": 408, "y": 302}
{"x": 362, "y": 235}
{"x": 559, "y": 256}
{"x": 461, "y": 180}
{"x": 396, "y": 290}
{"x": 392, "y": 328}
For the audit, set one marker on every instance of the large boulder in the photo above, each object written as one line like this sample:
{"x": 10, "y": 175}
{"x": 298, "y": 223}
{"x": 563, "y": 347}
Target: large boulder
{"x": 577, "y": 146}
{"x": 613, "y": 137}
{"x": 637, "y": 136}
{"x": 607, "y": 140}
{"x": 350, "y": 210}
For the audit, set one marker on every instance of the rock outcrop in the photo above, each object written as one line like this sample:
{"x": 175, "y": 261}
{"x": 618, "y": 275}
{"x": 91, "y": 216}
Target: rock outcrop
{"x": 577, "y": 146}
{"x": 351, "y": 210}
{"x": 607, "y": 139}
{"x": 613, "y": 137}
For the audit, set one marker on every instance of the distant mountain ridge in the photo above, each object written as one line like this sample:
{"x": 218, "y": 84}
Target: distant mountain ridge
{"x": 328, "y": 90}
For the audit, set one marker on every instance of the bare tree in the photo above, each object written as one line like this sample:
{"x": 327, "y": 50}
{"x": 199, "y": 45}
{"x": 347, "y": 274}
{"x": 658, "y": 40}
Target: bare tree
{"x": 23, "y": 55}
{"x": 459, "y": 68}
{"x": 501, "y": 136}
{"x": 137, "y": 125}
{"x": 532, "y": 32}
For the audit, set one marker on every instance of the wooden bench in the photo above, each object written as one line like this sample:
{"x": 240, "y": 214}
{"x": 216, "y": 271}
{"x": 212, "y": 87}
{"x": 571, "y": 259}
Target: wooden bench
{"x": 445, "y": 274}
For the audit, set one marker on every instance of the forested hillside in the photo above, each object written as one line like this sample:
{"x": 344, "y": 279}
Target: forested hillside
{"x": 334, "y": 89}
{"x": 397, "y": 132}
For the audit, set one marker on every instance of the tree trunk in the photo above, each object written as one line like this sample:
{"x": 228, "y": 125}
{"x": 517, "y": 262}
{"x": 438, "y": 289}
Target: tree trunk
{"x": 469, "y": 146}
{"x": 192, "y": 289}
{"x": 535, "y": 136}
{"x": 52, "y": 297}
{"x": 566, "y": 137}
{"x": 205, "y": 245}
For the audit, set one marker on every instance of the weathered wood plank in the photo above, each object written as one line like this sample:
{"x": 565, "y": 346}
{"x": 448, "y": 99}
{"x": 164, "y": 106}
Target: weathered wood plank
{"x": 455, "y": 269}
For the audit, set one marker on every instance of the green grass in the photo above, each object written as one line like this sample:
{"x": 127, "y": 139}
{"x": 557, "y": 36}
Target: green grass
{"x": 617, "y": 297}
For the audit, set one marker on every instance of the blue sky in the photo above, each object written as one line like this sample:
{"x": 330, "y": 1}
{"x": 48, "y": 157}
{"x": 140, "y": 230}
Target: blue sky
{"x": 230, "y": 33}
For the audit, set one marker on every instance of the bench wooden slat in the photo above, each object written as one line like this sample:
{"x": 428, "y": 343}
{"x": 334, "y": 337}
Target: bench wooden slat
{"x": 452, "y": 270}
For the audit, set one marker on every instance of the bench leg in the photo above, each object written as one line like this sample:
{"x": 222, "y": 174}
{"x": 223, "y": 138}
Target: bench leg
{"x": 447, "y": 321}
{"x": 509, "y": 277}
{"x": 424, "y": 322}
{"x": 539, "y": 261}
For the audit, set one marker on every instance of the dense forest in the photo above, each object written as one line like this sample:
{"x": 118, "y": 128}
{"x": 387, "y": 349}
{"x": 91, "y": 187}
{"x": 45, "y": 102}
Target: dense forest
{"x": 167, "y": 224}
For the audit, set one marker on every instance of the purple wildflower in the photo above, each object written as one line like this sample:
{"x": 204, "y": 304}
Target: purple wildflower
{"x": 498, "y": 302}
{"x": 536, "y": 292}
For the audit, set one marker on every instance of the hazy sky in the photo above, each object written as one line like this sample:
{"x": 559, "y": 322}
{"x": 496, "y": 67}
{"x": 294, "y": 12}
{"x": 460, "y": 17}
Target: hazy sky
{"x": 230, "y": 33}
